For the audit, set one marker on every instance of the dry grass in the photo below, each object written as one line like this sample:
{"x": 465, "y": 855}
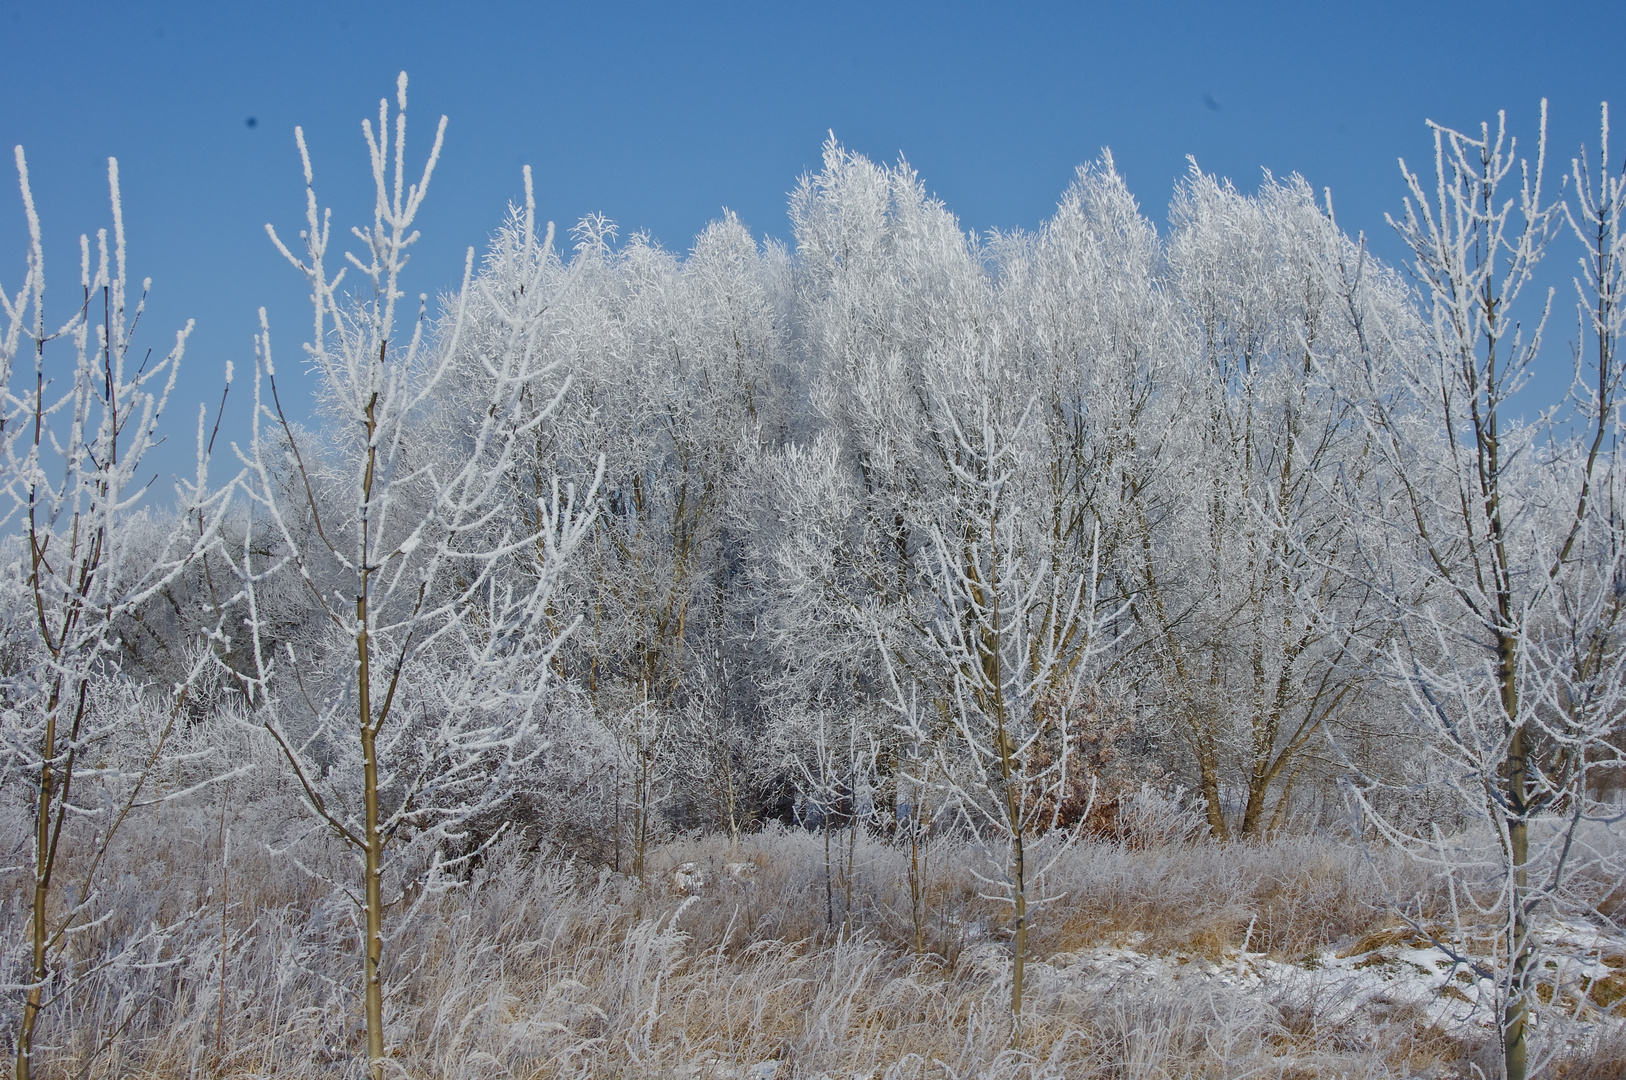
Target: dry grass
{"x": 539, "y": 967}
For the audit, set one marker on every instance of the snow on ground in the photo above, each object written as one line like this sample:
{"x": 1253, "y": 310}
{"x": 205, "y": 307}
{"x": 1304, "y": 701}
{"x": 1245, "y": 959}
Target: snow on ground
{"x": 1378, "y": 973}
{"x": 1374, "y": 977}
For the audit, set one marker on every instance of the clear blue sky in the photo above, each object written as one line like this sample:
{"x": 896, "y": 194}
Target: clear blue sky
{"x": 660, "y": 115}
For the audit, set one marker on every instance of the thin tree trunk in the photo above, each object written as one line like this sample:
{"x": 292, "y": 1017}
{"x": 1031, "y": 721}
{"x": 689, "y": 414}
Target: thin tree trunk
{"x": 917, "y": 870}
{"x": 42, "y": 878}
{"x": 47, "y": 832}
{"x": 829, "y": 895}
{"x": 852, "y": 851}
{"x": 220, "y": 1016}
{"x": 1515, "y": 1017}
{"x": 1013, "y": 811}
{"x": 375, "y": 858}
{"x": 1019, "y": 867}
{"x": 917, "y": 907}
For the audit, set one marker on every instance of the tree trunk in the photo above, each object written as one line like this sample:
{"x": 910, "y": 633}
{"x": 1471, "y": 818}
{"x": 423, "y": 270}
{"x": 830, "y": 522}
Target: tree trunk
{"x": 1515, "y": 1017}
{"x": 829, "y": 895}
{"x": 917, "y": 900}
{"x": 1019, "y": 896}
{"x": 1253, "y": 813}
{"x": 46, "y": 830}
{"x": 42, "y": 848}
{"x": 373, "y": 897}
{"x": 847, "y": 882}
{"x": 1019, "y": 872}
{"x": 1208, "y": 780}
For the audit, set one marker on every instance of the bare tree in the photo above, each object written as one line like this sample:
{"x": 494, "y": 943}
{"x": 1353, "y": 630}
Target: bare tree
{"x": 406, "y": 726}
{"x": 74, "y": 448}
{"x": 1504, "y": 546}
{"x": 1008, "y": 651}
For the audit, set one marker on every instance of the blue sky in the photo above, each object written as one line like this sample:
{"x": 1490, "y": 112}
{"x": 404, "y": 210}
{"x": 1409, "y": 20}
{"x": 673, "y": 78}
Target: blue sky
{"x": 661, "y": 115}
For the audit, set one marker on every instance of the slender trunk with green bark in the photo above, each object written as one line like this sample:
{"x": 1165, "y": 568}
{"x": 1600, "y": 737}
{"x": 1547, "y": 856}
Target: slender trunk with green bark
{"x": 373, "y": 838}
{"x": 372, "y": 895}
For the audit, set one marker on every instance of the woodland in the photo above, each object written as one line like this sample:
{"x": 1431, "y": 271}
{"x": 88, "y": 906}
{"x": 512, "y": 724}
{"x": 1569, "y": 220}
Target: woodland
{"x": 1124, "y": 649}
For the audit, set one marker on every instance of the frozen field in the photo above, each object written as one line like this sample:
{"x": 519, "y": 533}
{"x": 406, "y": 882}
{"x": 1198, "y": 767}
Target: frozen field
{"x": 1179, "y": 959}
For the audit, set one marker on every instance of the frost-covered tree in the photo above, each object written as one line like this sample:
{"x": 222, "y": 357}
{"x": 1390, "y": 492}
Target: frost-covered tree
{"x": 1503, "y": 560}
{"x": 84, "y": 553}
{"x": 676, "y": 370}
{"x": 1260, "y": 639}
{"x": 405, "y": 725}
{"x": 884, "y": 277}
{"x": 1004, "y": 656}
{"x": 1092, "y": 328}
{"x": 939, "y": 528}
